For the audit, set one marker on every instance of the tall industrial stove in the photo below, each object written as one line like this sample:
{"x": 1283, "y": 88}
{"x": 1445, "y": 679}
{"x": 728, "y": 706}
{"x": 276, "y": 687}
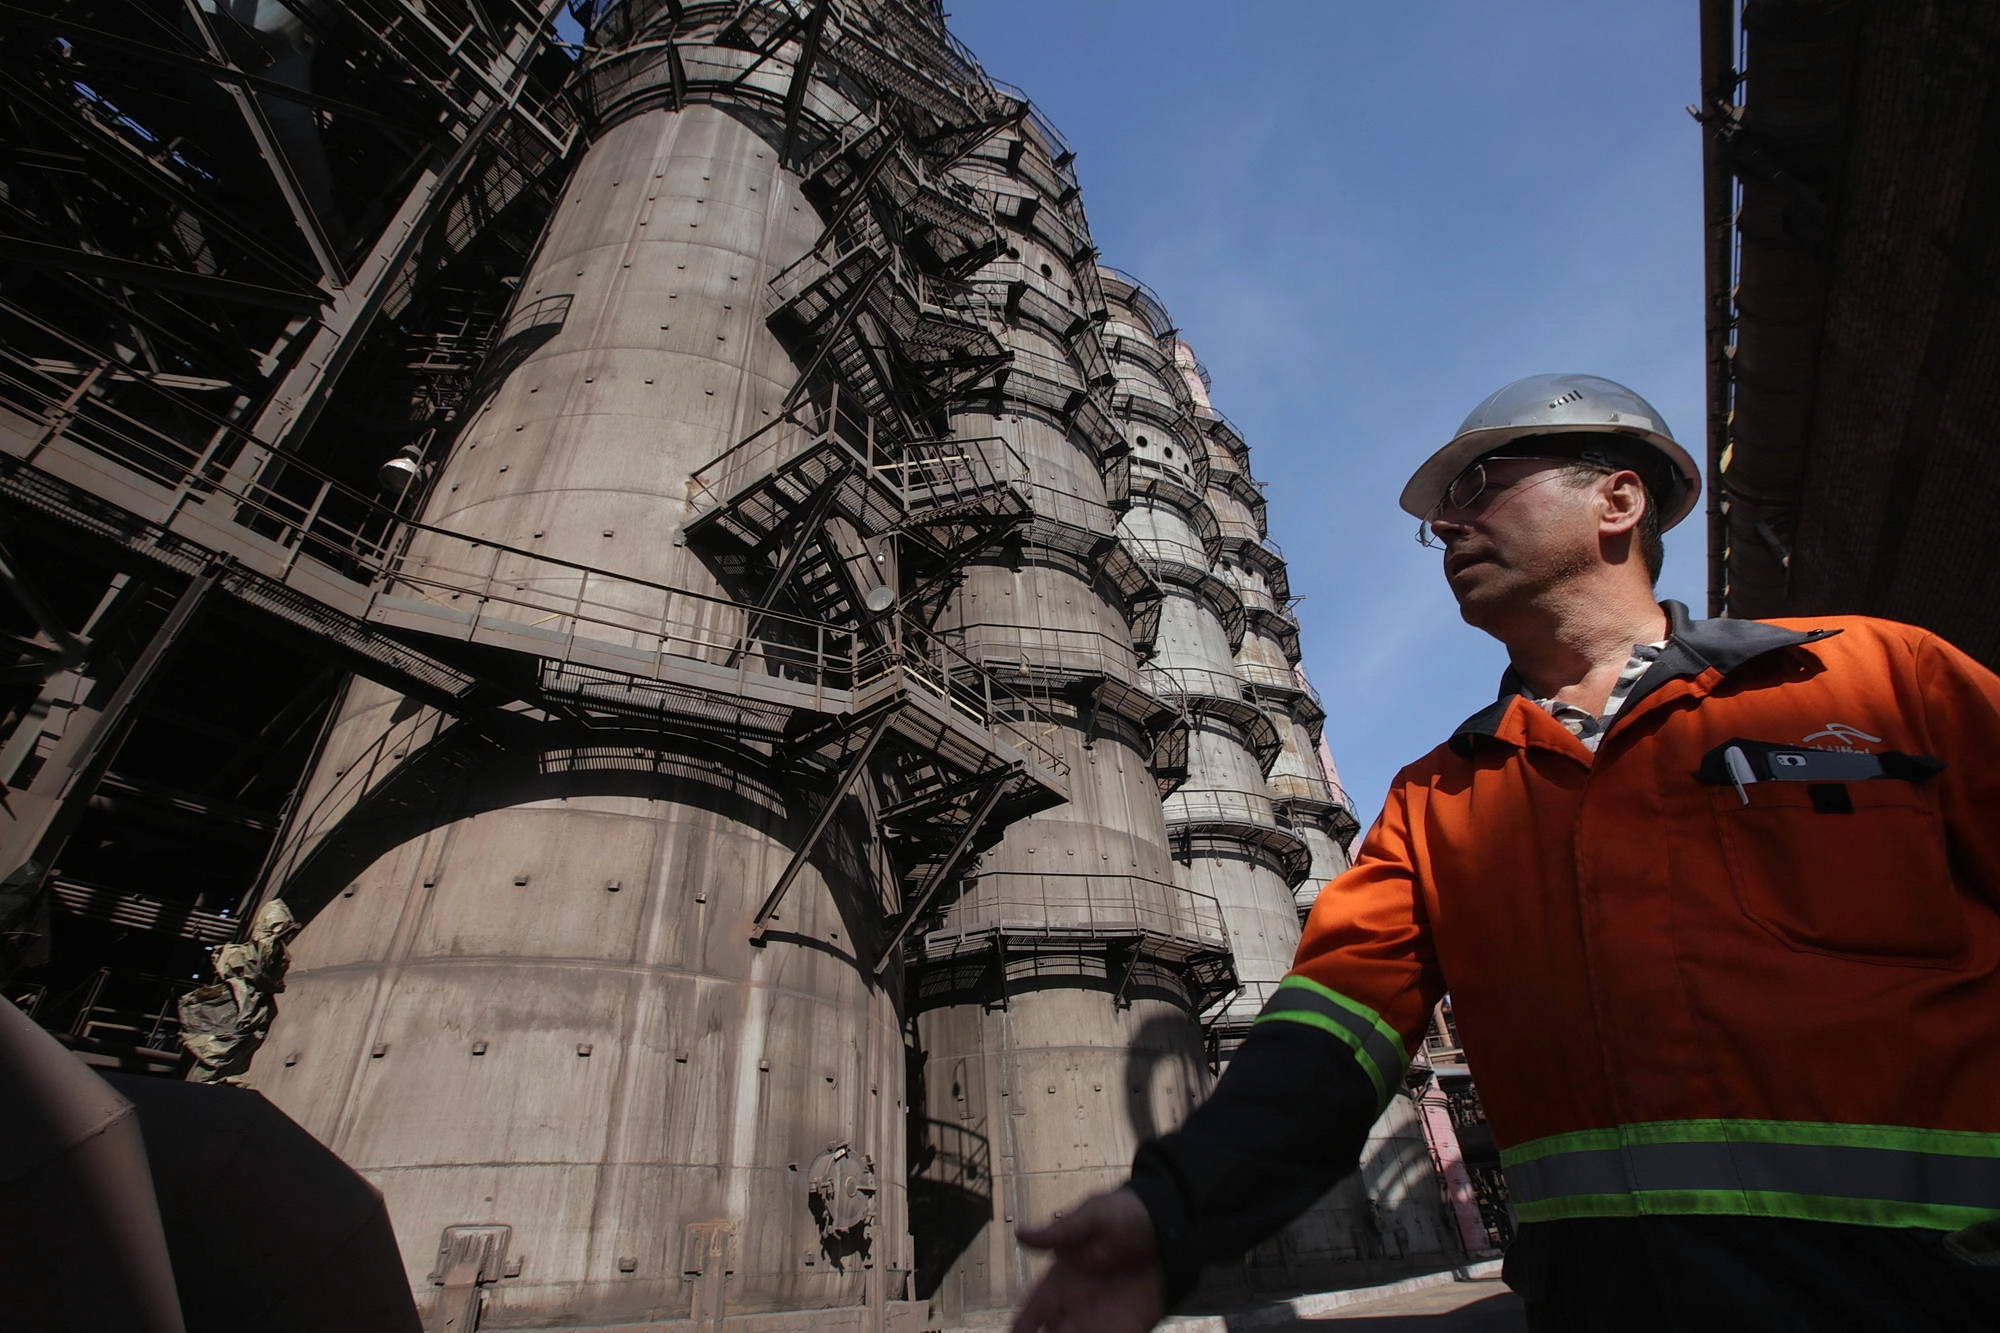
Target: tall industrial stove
{"x": 729, "y": 671}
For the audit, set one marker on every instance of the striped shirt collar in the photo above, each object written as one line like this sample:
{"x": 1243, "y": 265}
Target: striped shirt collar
{"x": 1692, "y": 647}
{"x": 1580, "y": 723}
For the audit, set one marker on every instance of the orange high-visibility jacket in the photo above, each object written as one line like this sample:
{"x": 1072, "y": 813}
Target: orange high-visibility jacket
{"x": 1744, "y": 960}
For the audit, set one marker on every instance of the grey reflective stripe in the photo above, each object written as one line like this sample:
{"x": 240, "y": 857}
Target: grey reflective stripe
{"x": 1779, "y": 1168}
{"x": 1387, "y": 1055}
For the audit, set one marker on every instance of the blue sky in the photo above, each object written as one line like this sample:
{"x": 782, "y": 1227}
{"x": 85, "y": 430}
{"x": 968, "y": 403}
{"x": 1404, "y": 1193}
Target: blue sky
{"x": 1365, "y": 218}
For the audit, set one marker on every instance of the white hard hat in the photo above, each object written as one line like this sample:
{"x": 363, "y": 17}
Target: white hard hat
{"x": 1561, "y": 405}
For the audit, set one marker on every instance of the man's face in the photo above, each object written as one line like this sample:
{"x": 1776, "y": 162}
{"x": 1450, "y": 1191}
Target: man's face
{"x": 1523, "y": 531}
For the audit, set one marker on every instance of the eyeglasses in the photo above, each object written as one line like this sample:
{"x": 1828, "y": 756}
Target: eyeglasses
{"x": 1472, "y": 490}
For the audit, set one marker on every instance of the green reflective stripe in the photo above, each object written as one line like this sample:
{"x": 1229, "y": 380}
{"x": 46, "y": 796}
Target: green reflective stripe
{"x": 1887, "y": 1175}
{"x": 1583, "y": 1140}
{"x": 1377, "y": 1048}
{"x": 1736, "y": 1203}
{"x": 1901, "y": 1138}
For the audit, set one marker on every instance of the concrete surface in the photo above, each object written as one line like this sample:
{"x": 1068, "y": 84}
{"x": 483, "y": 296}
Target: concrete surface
{"x": 1483, "y": 1305}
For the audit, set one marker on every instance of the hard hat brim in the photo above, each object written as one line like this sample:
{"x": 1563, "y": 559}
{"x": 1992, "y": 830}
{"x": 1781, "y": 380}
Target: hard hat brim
{"x": 1427, "y": 484}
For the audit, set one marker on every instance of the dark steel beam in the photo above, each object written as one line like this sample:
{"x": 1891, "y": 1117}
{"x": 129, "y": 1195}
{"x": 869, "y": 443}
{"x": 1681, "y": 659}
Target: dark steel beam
{"x": 295, "y": 403}
{"x": 855, "y": 767}
{"x": 173, "y": 805}
{"x": 62, "y": 259}
{"x": 677, "y": 75}
{"x": 795, "y": 95}
{"x": 133, "y": 48}
{"x": 769, "y": 49}
{"x": 1957, "y": 323}
{"x": 67, "y": 647}
{"x": 92, "y": 753}
{"x": 1124, "y": 956}
{"x": 942, "y": 871}
{"x": 61, "y": 791}
{"x": 133, "y": 166}
{"x": 290, "y": 188}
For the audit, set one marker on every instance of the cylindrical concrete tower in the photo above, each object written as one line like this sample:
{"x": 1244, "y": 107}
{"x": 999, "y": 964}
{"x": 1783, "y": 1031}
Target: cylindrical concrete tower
{"x": 1055, "y": 993}
{"x": 887, "y": 754}
{"x": 1227, "y": 832}
{"x": 549, "y": 998}
{"x": 532, "y": 1001}
{"x": 1385, "y": 1215}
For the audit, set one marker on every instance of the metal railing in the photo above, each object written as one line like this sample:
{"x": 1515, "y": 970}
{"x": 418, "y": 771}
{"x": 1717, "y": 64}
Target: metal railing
{"x": 1309, "y": 787}
{"x": 1143, "y": 299}
{"x": 927, "y": 660}
{"x": 1143, "y": 351}
{"x": 1272, "y": 677}
{"x": 1029, "y": 649}
{"x": 144, "y": 422}
{"x": 923, "y": 473}
{"x": 1054, "y": 370}
{"x": 1254, "y": 594}
{"x": 1082, "y": 904}
{"x": 297, "y": 513}
{"x": 1052, "y": 138}
{"x": 1165, "y": 550}
{"x": 1206, "y": 805}
{"x": 450, "y": 46}
{"x": 1202, "y": 682}
{"x": 131, "y": 1009}
{"x": 1216, "y": 423}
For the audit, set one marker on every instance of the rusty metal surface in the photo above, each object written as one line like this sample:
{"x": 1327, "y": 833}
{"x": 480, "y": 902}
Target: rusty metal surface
{"x": 1854, "y": 335}
{"x": 820, "y": 570}
{"x": 86, "y": 1246}
{"x": 532, "y": 998}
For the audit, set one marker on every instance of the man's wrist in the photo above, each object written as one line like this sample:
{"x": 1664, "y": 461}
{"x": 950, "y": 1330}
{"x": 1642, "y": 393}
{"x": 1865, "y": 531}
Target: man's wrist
{"x": 1173, "y": 1230}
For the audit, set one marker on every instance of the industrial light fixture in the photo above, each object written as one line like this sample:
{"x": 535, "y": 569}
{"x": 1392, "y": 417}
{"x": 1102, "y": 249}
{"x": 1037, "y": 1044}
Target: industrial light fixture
{"x": 398, "y": 476}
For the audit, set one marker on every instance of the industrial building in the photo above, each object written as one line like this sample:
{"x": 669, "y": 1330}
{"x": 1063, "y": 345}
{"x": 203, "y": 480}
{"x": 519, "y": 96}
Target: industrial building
{"x": 719, "y": 675}
{"x": 1852, "y": 160}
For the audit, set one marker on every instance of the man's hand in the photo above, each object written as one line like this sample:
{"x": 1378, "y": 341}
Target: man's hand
{"x": 1107, "y": 1277}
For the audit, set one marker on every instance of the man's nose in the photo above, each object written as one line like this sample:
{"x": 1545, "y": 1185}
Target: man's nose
{"x": 1444, "y": 525}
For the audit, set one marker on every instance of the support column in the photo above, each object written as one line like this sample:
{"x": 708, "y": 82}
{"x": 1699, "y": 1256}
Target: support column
{"x": 526, "y": 993}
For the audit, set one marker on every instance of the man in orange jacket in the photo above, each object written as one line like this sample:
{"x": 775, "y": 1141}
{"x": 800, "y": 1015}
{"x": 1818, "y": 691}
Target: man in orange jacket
{"x": 1718, "y": 905}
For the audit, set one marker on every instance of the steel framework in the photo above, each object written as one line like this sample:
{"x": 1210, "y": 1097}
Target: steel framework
{"x": 943, "y": 612}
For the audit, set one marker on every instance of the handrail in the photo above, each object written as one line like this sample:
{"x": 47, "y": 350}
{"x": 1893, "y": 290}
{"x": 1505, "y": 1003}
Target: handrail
{"x": 1192, "y": 804}
{"x": 1283, "y": 678}
{"x": 1166, "y": 550}
{"x": 461, "y": 65}
{"x": 927, "y": 470}
{"x": 1052, "y": 138}
{"x": 951, "y": 675}
{"x": 1092, "y": 905}
{"x": 1145, "y": 300}
{"x": 390, "y": 554}
{"x": 1310, "y": 787}
{"x": 1198, "y": 682}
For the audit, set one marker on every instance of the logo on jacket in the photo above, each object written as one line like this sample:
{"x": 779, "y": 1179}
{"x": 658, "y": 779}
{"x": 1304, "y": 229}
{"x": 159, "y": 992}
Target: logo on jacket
{"x": 1843, "y": 737}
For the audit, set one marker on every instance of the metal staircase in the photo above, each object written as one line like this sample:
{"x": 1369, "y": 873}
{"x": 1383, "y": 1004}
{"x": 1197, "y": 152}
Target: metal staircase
{"x": 468, "y": 624}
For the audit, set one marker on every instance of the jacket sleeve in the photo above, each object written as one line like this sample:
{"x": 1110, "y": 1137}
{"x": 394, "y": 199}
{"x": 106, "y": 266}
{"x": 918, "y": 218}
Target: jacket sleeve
{"x": 1962, "y": 699}
{"x": 1292, "y": 1111}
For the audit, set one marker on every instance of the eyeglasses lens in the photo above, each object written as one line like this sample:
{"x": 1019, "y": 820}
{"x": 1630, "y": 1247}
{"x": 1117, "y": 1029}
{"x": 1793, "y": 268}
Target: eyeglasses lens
{"x": 1463, "y": 494}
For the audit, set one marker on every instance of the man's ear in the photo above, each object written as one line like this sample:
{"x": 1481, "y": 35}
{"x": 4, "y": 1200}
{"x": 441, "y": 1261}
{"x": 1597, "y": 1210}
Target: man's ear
{"x": 1622, "y": 500}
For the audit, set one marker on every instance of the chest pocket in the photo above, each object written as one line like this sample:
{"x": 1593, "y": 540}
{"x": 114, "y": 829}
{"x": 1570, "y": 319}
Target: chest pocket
{"x": 1851, "y": 869}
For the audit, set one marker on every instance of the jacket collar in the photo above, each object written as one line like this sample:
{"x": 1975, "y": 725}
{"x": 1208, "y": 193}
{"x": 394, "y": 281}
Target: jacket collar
{"x": 1693, "y": 646}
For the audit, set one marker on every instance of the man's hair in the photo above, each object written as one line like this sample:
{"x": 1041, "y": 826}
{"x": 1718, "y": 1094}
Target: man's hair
{"x": 1613, "y": 455}
{"x": 1652, "y": 549}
